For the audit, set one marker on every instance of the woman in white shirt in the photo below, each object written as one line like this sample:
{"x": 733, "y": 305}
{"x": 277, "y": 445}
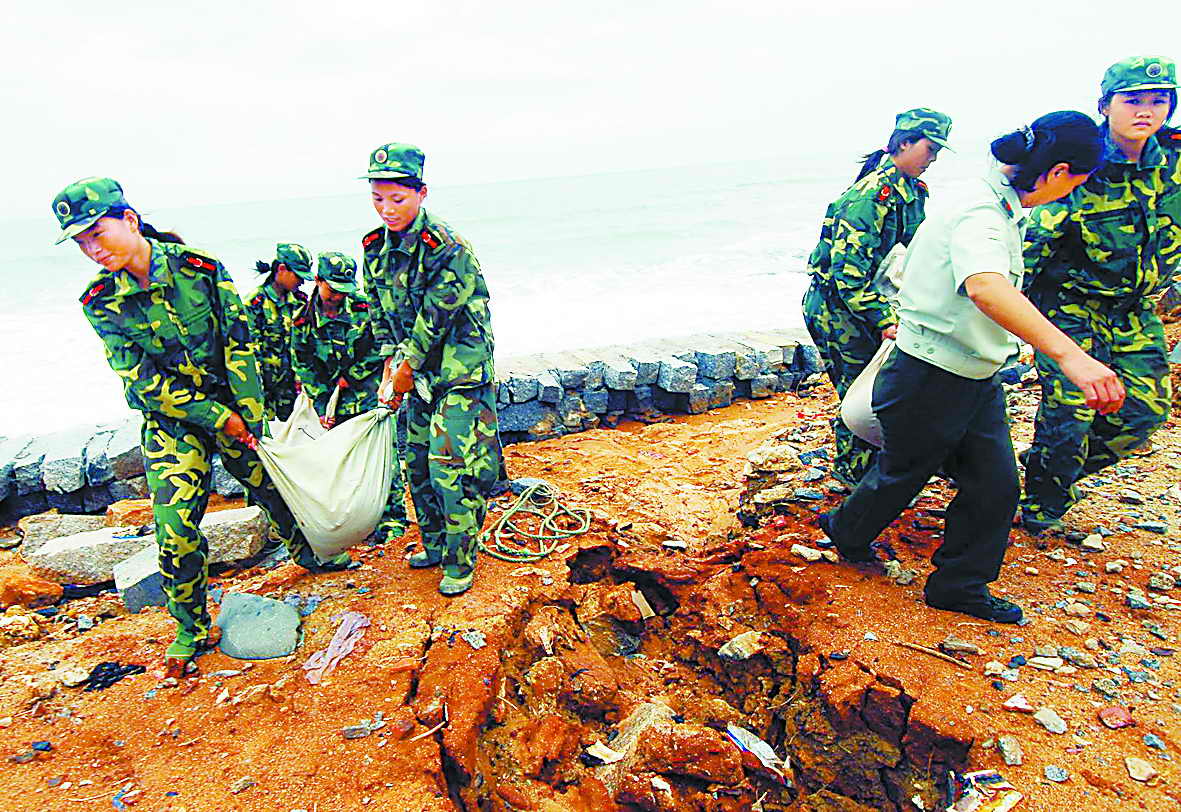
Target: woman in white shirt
{"x": 937, "y": 396}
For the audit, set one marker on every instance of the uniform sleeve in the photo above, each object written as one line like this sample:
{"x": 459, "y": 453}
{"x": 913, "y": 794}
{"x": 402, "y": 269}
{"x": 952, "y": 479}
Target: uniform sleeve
{"x": 856, "y": 235}
{"x": 1044, "y": 237}
{"x": 241, "y": 364}
{"x": 377, "y": 315}
{"x": 147, "y": 389}
{"x": 978, "y": 243}
{"x": 449, "y": 291}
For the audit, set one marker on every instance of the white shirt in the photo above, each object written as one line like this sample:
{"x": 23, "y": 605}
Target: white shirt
{"x": 982, "y": 232}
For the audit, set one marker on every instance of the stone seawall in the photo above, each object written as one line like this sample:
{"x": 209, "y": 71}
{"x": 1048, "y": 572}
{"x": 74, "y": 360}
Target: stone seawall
{"x": 84, "y": 469}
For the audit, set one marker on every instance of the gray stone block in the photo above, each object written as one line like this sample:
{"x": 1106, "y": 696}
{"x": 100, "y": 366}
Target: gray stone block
{"x": 134, "y": 488}
{"x": 96, "y": 498}
{"x": 139, "y": 581}
{"x": 569, "y": 370}
{"x": 1171, "y": 299}
{"x": 716, "y": 364}
{"x": 772, "y": 354}
{"x": 534, "y": 417}
{"x": 98, "y": 465}
{"x": 764, "y": 386}
{"x": 549, "y": 387}
{"x": 37, "y": 530}
{"x": 595, "y": 401}
{"x": 257, "y": 628}
{"x": 617, "y": 372}
{"x": 90, "y": 558}
{"x": 522, "y": 389}
{"x": 16, "y": 505}
{"x": 807, "y": 361}
{"x": 26, "y": 468}
{"x": 124, "y": 451}
{"x": 721, "y": 394}
{"x": 572, "y": 410}
{"x": 10, "y": 449}
{"x": 698, "y": 399}
{"x": 63, "y": 468}
{"x": 502, "y": 395}
{"x": 642, "y": 398}
{"x": 676, "y": 375}
{"x": 224, "y": 483}
{"x": 66, "y": 502}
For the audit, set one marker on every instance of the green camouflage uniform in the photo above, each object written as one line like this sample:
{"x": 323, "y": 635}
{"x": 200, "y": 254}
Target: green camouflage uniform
{"x": 326, "y": 351}
{"x": 429, "y": 307}
{"x": 844, "y": 310}
{"x": 271, "y": 313}
{"x": 182, "y": 348}
{"x": 1093, "y": 261}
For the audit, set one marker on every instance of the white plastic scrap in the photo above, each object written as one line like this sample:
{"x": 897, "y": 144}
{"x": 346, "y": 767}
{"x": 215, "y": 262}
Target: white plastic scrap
{"x": 748, "y": 742}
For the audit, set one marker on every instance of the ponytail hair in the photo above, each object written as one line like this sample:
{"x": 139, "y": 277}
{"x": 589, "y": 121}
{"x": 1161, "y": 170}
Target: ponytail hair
{"x": 146, "y": 229}
{"x": 1065, "y": 137}
{"x": 871, "y": 160}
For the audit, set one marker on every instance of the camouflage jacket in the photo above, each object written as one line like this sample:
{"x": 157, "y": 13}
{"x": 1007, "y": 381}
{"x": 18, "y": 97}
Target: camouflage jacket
{"x": 324, "y": 350}
{"x": 1116, "y": 238}
{"x": 876, "y": 213}
{"x": 182, "y": 345}
{"x": 271, "y": 315}
{"x": 429, "y": 304}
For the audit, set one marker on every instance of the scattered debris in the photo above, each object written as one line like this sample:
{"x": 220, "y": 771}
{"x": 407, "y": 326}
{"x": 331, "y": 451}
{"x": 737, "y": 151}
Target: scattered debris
{"x": 348, "y": 634}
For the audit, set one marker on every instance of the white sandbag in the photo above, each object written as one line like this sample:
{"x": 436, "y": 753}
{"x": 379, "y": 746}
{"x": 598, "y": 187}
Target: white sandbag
{"x": 336, "y": 483}
{"x": 857, "y": 406}
{"x": 303, "y": 424}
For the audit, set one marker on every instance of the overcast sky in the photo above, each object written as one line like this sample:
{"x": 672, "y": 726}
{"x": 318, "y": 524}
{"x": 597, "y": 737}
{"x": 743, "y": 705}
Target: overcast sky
{"x": 250, "y": 100}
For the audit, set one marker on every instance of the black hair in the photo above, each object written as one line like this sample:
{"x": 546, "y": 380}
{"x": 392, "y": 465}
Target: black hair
{"x": 263, "y": 267}
{"x": 413, "y": 184}
{"x": 1065, "y": 137}
{"x": 145, "y": 228}
{"x": 871, "y": 160}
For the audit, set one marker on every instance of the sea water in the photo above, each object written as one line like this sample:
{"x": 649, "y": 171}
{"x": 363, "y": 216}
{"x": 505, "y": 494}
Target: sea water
{"x": 569, "y": 262}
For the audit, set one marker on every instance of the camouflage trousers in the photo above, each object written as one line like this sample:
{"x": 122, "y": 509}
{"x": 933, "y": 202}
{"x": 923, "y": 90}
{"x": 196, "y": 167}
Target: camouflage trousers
{"x": 178, "y": 462}
{"x": 278, "y": 388}
{"x": 847, "y": 345}
{"x": 452, "y": 460}
{"x": 1072, "y": 441}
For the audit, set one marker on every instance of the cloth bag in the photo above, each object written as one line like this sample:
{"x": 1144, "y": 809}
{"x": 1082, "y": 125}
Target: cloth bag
{"x": 857, "y": 405}
{"x": 335, "y": 482}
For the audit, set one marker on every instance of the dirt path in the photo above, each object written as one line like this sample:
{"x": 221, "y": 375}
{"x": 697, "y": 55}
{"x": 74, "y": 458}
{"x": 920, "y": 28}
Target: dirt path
{"x": 569, "y": 660}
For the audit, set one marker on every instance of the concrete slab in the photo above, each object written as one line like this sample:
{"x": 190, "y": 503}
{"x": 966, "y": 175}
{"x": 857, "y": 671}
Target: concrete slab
{"x": 139, "y": 581}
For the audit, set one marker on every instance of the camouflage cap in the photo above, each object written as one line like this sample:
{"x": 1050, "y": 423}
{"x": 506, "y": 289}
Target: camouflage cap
{"x": 79, "y": 205}
{"x": 1139, "y": 73}
{"x": 297, "y": 259}
{"x": 391, "y": 161}
{"x": 338, "y": 270}
{"x": 932, "y": 124}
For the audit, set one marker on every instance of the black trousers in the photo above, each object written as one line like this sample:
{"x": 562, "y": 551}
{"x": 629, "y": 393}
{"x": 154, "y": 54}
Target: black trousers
{"x": 932, "y": 418}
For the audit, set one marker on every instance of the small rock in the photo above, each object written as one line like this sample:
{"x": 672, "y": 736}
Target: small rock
{"x": 1131, "y": 497}
{"x": 1010, "y": 750}
{"x": 1138, "y": 602}
{"x": 1140, "y": 770}
{"x": 1077, "y": 609}
{"x": 1079, "y": 627}
{"x": 1018, "y": 703}
{"x": 807, "y": 553}
{"x": 1153, "y": 527}
{"x": 993, "y": 669}
{"x": 1115, "y": 567}
{"x": 1154, "y": 741}
{"x": 1055, "y": 774}
{"x": 1050, "y": 720}
{"x": 1161, "y": 581}
{"x": 72, "y": 677}
{"x": 675, "y": 544}
{"x": 742, "y": 646}
{"x": 807, "y": 494}
{"x": 1094, "y": 543}
{"x": 954, "y": 645}
{"x": 356, "y": 731}
{"x": 1116, "y": 717}
{"x": 242, "y": 784}
{"x": 84, "y": 623}
{"x": 1047, "y": 663}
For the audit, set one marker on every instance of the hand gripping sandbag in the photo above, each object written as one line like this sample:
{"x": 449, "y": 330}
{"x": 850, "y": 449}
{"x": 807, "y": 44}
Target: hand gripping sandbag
{"x": 337, "y": 484}
{"x": 857, "y": 406}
